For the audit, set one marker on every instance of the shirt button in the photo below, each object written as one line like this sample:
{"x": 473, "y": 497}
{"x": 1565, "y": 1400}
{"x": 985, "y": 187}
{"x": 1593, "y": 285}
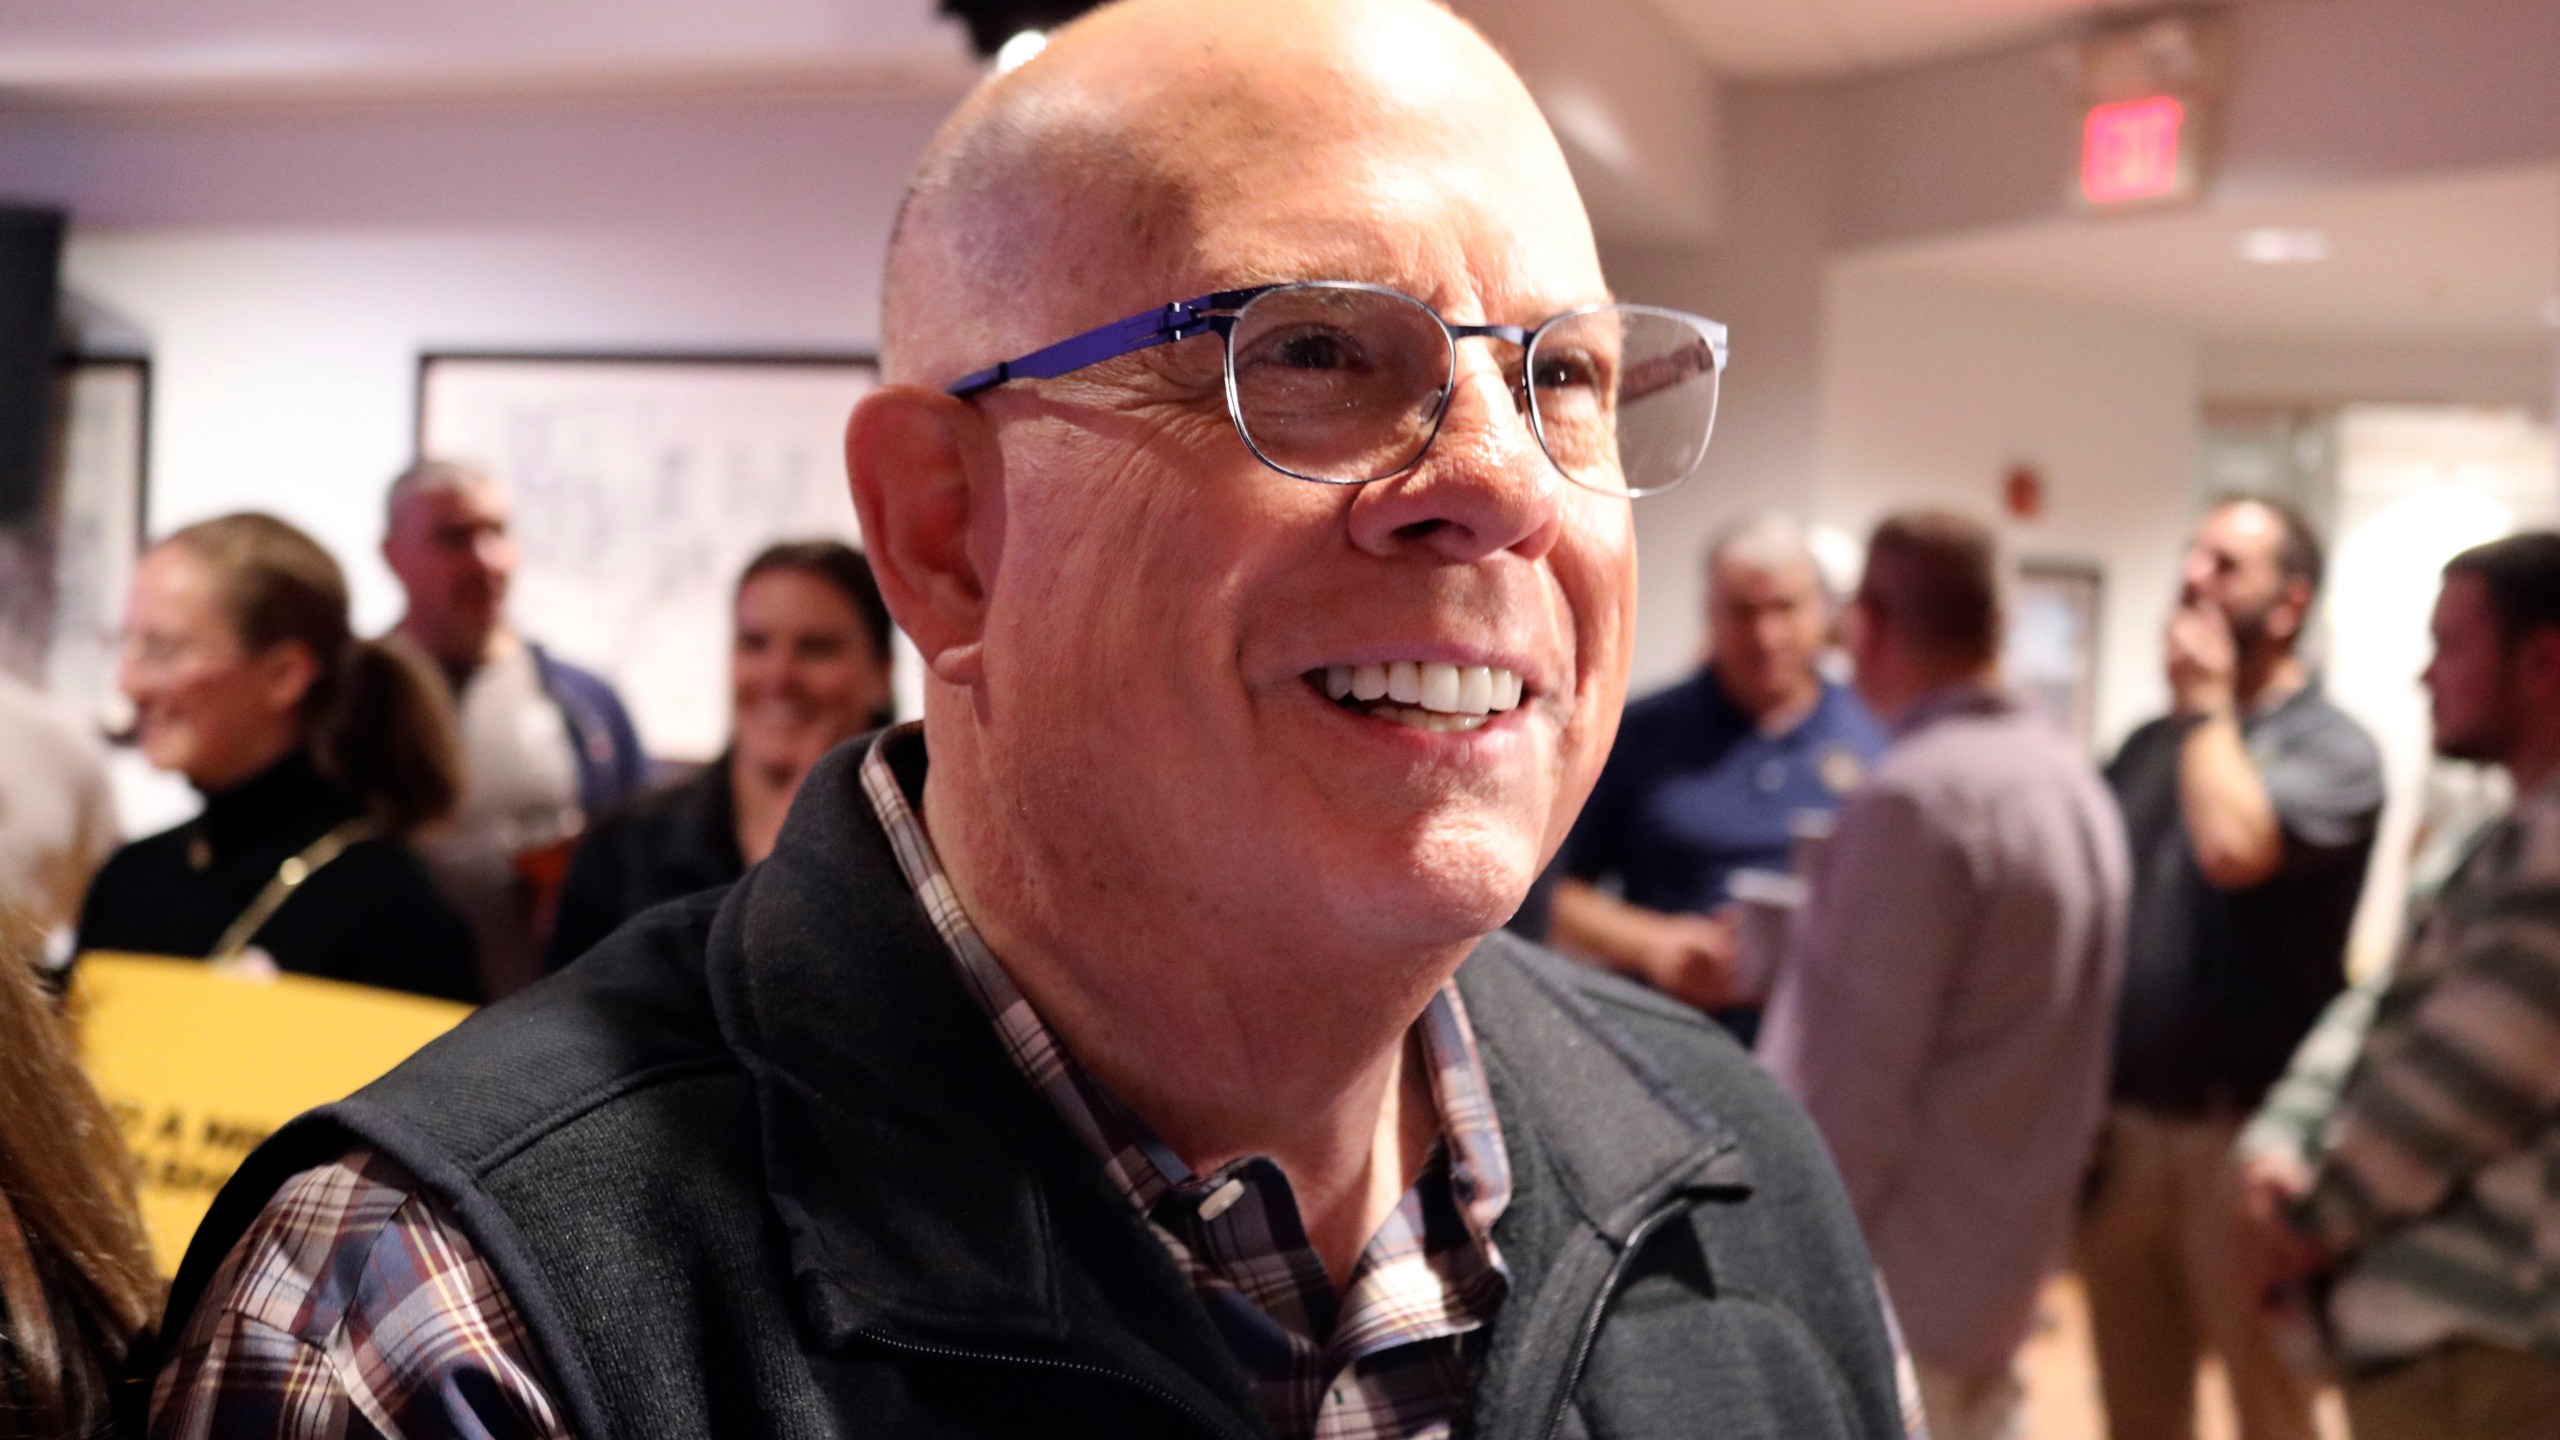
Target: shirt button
{"x": 1221, "y": 1200}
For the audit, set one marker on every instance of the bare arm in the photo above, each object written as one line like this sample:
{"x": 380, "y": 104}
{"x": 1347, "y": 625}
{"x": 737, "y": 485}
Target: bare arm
{"x": 2231, "y": 823}
{"x": 1688, "y": 957}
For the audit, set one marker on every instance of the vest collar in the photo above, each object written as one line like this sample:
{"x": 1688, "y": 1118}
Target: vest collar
{"x": 932, "y": 1197}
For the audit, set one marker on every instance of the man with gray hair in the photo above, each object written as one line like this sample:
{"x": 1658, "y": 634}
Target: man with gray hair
{"x": 545, "y": 744}
{"x": 1713, "y": 777}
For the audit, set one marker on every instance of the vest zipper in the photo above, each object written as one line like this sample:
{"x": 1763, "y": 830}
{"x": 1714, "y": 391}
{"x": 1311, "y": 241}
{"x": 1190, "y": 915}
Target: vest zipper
{"x": 1589, "y": 1334}
{"x": 1139, "y": 1383}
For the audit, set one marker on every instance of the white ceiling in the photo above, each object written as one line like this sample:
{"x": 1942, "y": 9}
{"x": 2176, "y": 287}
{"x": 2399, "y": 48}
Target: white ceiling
{"x": 2471, "y": 257}
{"x": 152, "y": 49}
{"x": 1800, "y": 38}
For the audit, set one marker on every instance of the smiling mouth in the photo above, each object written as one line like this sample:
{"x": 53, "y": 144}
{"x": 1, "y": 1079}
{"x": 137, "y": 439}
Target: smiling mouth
{"x": 1424, "y": 695}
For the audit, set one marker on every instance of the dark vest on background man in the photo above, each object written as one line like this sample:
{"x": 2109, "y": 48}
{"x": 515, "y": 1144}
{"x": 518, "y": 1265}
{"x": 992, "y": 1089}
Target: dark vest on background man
{"x": 759, "y": 1166}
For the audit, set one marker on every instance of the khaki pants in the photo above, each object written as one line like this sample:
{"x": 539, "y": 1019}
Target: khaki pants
{"x": 2158, "y": 1252}
{"x": 2461, "y": 1391}
{"x": 1973, "y": 1407}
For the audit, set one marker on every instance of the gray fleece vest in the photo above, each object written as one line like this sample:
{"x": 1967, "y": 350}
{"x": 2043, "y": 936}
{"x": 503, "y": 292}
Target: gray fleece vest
{"x": 757, "y": 1166}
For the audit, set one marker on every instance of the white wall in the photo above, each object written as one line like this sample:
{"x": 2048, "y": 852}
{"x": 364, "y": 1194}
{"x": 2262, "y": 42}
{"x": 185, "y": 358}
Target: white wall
{"x": 2415, "y": 487}
{"x": 288, "y": 267}
{"x": 2317, "y": 373}
{"x": 1764, "y": 279}
{"x": 1931, "y": 394}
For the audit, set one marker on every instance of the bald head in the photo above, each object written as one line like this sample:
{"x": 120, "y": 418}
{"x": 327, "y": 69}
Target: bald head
{"x": 1120, "y": 604}
{"x": 1127, "y": 164}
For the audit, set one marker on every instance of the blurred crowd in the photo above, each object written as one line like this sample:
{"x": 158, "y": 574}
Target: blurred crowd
{"x": 451, "y": 809}
{"x": 2044, "y": 1012}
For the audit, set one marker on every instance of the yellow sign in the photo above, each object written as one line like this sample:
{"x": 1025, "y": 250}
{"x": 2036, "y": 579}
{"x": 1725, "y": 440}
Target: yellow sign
{"x": 199, "y": 1065}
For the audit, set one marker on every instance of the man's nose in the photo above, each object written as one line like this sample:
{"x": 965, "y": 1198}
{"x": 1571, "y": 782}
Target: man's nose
{"x": 1484, "y": 486}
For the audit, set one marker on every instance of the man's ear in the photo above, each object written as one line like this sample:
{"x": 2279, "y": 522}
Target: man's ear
{"x": 2535, "y": 666}
{"x": 928, "y": 488}
{"x": 2296, "y": 605}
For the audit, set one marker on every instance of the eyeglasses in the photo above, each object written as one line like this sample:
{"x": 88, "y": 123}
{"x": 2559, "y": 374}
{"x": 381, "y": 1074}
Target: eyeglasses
{"x": 1344, "y": 383}
{"x": 155, "y": 655}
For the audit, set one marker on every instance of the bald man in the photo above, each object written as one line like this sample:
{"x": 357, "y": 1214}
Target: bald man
{"x": 1121, "y": 1051}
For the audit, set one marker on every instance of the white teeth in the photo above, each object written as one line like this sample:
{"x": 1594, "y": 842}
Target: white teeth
{"x": 1440, "y": 687}
{"x": 1425, "y": 692}
{"x": 1445, "y": 724}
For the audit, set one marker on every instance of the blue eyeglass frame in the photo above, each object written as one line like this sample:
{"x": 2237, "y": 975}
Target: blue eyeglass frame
{"x": 1216, "y": 313}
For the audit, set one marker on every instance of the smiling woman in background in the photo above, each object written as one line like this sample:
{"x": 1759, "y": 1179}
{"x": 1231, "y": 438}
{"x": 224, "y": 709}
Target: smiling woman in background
{"x": 317, "y": 755}
{"x": 808, "y": 670}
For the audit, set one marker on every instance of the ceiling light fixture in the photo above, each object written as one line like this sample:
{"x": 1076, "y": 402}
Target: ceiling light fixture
{"x": 1017, "y": 52}
{"x": 996, "y": 25}
{"x": 2275, "y": 245}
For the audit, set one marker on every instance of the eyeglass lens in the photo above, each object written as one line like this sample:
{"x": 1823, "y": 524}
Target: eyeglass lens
{"x": 1623, "y": 397}
{"x": 1346, "y": 384}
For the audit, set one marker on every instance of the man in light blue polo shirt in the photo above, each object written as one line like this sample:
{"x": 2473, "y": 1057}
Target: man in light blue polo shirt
{"x": 1711, "y": 776}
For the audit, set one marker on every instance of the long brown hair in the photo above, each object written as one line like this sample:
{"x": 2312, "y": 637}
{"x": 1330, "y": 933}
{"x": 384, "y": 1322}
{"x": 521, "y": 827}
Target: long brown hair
{"x": 375, "y": 722}
{"x": 76, "y": 1282}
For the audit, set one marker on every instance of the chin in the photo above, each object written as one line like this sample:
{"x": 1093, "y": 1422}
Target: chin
{"x": 1449, "y": 890}
{"x": 164, "y": 751}
{"x": 2465, "y": 748}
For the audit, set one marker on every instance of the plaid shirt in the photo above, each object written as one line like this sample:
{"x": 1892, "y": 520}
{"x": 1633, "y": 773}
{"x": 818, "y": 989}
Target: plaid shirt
{"x": 354, "y": 1306}
{"x": 1392, "y": 1355}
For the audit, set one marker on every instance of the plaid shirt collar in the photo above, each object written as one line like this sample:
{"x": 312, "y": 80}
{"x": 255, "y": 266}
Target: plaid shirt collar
{"x": 1431, "y": 1274}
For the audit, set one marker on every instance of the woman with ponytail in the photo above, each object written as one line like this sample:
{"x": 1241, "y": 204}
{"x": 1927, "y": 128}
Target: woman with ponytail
{"x": 317, "y": 754}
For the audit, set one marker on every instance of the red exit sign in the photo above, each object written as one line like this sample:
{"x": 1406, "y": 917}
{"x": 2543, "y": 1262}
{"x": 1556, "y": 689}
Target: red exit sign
{"x": 2129, "y": 150}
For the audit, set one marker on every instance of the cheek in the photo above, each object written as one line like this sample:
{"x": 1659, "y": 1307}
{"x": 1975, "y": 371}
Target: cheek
{"x": 833, "y": 684}
{"x": 1118, "y": 597}
{"x": 1595, "y": 570}
{"x": 1596, "y": 578}
{"x": 196, "y": 714}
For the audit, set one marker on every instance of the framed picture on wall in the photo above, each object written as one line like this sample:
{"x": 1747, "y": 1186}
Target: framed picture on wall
{"x": 80, "y": 542}
{"x": 2050, "y": 654}
{"x": 642, "y": 485}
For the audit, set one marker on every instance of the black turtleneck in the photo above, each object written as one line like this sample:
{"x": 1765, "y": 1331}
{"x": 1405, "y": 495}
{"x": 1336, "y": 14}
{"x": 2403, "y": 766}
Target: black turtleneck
{"x": 370, "y": 916}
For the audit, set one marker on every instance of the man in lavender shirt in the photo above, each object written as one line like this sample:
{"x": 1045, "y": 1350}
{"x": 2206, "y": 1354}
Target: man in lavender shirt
{"x": 1946, "y": 1000}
